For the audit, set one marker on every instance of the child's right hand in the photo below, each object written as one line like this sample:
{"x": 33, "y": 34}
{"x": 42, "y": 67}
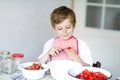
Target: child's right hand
{"x": 54, "y": 51}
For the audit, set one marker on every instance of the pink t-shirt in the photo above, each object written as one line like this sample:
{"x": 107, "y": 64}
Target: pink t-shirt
{"x": 63, "y": 44}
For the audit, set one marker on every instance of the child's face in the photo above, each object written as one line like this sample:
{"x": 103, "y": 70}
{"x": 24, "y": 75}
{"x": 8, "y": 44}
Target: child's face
{"x": 64, "y": 29}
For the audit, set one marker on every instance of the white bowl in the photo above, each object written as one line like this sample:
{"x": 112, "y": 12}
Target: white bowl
{"x": 64, "y": 65}
{"x": 76, "y": 70}
{"x": 32, "y": 74}
{"x": 59, "y": 68}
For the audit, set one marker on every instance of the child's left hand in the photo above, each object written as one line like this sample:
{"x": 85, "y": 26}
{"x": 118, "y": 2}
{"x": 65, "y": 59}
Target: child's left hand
{"x": 71, "y": 53}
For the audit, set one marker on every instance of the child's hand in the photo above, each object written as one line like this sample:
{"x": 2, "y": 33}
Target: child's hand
{"x": 71, "y": 53}
{"x": 53, "y": 51}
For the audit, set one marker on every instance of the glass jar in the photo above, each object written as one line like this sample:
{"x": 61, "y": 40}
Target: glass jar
{"x": 1, "y": 63}
{"x": 8, "y": 66}
{"x": 17, "y": 61}
{"x": 4, "y": 55}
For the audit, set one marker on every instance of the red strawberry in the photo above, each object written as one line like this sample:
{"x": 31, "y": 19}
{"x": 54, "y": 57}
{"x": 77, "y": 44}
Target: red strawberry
{"x": 68, "y": 48}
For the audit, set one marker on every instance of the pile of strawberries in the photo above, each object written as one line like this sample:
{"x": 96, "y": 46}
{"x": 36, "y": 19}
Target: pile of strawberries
{"x": 90, "y": 75}
{"x": 34, "y": 66}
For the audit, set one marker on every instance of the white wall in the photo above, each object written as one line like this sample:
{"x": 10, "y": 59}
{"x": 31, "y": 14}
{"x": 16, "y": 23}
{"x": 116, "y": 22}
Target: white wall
{"x": 104, "y": 44}
{"x": 25, "y": 25}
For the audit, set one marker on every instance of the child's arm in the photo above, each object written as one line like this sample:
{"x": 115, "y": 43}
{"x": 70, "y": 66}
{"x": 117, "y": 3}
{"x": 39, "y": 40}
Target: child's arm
{"x": 44, "y": 59}
{"x": 52, "y": 52}
{"x": 73, "y": 56}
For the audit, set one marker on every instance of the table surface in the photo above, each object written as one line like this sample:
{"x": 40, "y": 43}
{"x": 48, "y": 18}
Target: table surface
{"x": 16, "y": 76}
{"x": 13, "y": 76}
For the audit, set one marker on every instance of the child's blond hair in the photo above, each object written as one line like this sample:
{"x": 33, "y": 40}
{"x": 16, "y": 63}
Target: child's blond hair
{"x": 60, "y": 14}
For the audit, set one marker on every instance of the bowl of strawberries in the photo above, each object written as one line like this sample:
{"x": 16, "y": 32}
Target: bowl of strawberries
{"x": 89, "y": 73}
{"x": 33, "y": 70}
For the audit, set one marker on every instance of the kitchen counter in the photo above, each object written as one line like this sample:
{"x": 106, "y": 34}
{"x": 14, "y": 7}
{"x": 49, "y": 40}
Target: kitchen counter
{"x": 14, "y": 76}
{"x": 18, "y": 76}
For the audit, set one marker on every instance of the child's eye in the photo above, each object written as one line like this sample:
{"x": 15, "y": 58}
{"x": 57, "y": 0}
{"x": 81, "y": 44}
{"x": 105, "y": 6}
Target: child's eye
{"x": 59, "y": 28}
{"x": 68, "y": 27}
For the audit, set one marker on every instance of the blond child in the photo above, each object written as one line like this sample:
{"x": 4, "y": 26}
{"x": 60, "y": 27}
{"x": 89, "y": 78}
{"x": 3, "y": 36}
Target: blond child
{"x": 65, "y": 46}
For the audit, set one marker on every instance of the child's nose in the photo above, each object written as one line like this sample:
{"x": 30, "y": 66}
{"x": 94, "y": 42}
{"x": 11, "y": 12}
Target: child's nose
{"x": 64, "y": 30}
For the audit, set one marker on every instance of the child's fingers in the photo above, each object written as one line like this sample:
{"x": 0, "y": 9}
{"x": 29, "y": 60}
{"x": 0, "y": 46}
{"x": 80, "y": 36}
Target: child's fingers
{"x": 55, "y": 51}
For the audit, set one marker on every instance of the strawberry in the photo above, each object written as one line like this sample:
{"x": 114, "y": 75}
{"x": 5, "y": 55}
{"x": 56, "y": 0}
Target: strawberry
{"x": 68, "y": 48}
{"x": 34, "y": 66}
{"x": 37, "y": 66}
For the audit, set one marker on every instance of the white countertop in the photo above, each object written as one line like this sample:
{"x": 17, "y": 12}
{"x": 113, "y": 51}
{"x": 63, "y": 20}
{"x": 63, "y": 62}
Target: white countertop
{"x": 14, "y": 76}
{"x": 58, "y": 74}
